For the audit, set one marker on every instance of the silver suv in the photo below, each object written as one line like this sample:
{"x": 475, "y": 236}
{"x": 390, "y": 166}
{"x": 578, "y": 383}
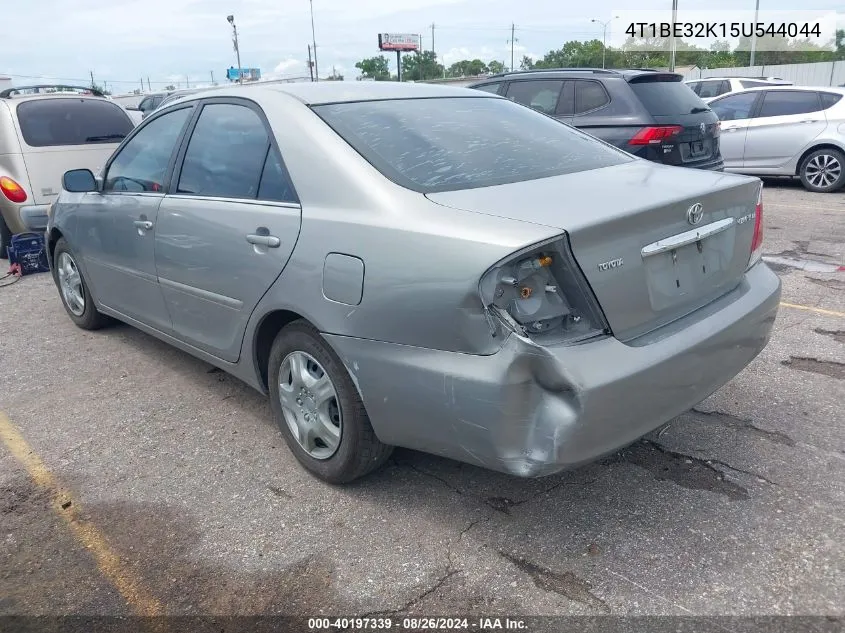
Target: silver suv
{"x": 42, "y": 135}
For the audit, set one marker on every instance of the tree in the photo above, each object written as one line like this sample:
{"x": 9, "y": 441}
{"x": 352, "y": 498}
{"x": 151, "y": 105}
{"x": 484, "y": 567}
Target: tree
{"x": 335, "y": 76}
{"x": 496, "y": 67}
{"x": 526, "y": 63}
{"x": 421, "y": 65}
{"x": 374, "y": 68}
{"x": 468, "y": 68}
{"x": 170, "y": 87}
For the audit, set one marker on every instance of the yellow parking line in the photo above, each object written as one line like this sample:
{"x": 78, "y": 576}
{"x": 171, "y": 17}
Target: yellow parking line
{"x": 811, "y": 309}
{"x": 139, "y": 599}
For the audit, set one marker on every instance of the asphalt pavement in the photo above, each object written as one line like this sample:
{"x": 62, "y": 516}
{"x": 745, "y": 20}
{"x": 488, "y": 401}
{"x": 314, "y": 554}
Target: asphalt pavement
{"x": 137, "y": 479}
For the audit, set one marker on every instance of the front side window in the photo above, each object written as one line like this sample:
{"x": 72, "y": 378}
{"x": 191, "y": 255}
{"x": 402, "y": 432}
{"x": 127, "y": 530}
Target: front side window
{"x": 226, "y": 153}
{"x": 541, "y": 95}
{"x": 141, "y": 165}
{"x": 786, "y": 102}
{"x": 52, "y": 122}
{"x": 448, "y": 144}
{"x": 710, "y": 89}
{"x": 494, "y": 88}
{"x": 735, "y": 107}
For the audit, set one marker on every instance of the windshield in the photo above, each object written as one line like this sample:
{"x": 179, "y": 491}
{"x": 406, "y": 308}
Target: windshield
{"x": 662, "y": 96}
{"x": 48, "y": 122}
{"x": 446, "y": 144}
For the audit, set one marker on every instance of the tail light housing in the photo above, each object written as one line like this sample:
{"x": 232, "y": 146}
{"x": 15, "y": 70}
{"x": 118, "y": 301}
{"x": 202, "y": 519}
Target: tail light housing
{"x": 757, "y": 239}
{"x": 655, "y": 134}
{"x": 540, "y": 292}
{"x": 12, "y": 190}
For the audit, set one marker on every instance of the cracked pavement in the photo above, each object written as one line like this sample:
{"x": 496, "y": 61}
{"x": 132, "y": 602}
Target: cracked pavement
{"x": 732, "y": 508}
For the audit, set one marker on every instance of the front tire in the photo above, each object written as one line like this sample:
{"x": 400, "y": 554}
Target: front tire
{"x": 823, "y": 171}
{"x": 73, "y": 289}
{"x": 318, "y": 409}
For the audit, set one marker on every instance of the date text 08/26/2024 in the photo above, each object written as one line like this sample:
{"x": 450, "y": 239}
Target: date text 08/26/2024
{"x": 416, "y": 623}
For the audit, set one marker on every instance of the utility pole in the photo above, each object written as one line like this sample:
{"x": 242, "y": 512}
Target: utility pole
{"x": 142, "y": 84}
{"x": 314, "y": 43}
{"x": 420, "y": 58}
{"x": 310, "y": 63}
{"x": 512, "y": 40}
{"x": 212, "y": 76}
{"x": 92, "y": 78}
{"x": 398, "y": 65}
{"x": 149, "y": 88}
{"x": 672, "y": 40}
{"x": 187, "y": 85}
{"x": 604, "y": 38}
{"x": 754, "y": 34}
{"x": 432, "y": 47}
{"x": 231, "y": 20}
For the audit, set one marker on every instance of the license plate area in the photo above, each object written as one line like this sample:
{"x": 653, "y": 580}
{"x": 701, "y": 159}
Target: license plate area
{"x": 690, "y": 265}
{"x": 696, "y": 150}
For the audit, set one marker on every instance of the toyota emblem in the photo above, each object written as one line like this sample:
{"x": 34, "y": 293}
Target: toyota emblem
{"x": 702, "y": 128}
{"x": 694, "y": 213}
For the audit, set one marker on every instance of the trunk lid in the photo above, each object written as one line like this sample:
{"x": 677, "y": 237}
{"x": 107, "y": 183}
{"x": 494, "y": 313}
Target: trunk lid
{"x": 628, "y": 225}
{"x": 46, "y": 166}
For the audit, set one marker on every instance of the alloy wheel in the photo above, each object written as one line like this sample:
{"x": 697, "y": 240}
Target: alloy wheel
{"x": 823, "y": 170}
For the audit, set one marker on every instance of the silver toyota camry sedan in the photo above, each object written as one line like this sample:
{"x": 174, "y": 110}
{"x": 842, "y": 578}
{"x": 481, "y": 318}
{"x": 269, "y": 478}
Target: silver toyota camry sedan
{"x": 421, "y": 266}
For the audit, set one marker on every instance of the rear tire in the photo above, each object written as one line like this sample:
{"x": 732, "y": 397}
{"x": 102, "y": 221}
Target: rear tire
{"x": 823, "y": 171}
{"x": 73, "y": 289}
{"x": 5, "y": 238}
{"x": 336, "y": 454}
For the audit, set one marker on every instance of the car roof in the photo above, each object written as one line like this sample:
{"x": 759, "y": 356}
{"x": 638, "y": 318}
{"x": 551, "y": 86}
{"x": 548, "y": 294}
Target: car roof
{"x": 790, "y": 87}
{"x": 596, "y": 73}
{"x": 55, "y": 95}
{"x": 316, "y": 93}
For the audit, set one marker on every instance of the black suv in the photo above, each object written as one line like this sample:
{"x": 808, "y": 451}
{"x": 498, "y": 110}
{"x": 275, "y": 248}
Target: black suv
{"x": 648, "y": 113}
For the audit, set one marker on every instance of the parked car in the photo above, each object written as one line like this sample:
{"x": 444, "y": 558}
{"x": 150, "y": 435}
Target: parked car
{"x": 150, "y": 102}
{"x": 479, "y": 281}
{"x": 42, "y": 135}
{"x": 786, "y": 131}
{"x": 650, "y": 114}
{"x": 713, "y": 87}
{"x": 178, "y": 94}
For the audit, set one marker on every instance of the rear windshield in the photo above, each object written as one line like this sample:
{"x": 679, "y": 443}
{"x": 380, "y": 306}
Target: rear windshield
{"x": 666, "y": 95}
{"x": 48, "y": 122}
{"x": 446, "y": 144}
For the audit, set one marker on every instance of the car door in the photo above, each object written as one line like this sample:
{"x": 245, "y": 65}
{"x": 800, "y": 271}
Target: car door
{"x": 227, "y": 227}
{"x": 539, "y": 94}
{"x": 734, "y": 112}
{"x": 115, "y": 226}
{"x": 787, "y": 122}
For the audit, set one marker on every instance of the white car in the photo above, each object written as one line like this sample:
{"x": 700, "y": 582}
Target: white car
{"x": 785, "y": 131}
{"x": 713, "y": 87}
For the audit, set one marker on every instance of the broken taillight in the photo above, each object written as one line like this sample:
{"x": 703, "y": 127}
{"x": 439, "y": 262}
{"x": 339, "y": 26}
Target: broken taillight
{"x": 757, "y": 239}
{"x": 542, "y": 293}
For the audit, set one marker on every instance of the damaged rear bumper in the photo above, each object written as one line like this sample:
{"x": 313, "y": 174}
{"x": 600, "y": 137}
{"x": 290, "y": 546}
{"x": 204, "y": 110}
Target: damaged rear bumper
{"x": 531, "y": 410}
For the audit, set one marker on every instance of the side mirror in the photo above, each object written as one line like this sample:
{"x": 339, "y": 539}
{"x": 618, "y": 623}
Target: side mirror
{"x": 79, "y": 181}
{"x": 133, "y": 108}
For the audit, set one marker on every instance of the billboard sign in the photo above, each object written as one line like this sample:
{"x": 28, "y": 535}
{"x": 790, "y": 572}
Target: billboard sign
{"x": 249, "y": 74}
{"x": 398, "y": 42}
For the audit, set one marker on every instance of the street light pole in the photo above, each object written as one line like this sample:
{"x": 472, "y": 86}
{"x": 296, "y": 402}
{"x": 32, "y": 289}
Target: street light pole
{"x": 604, "y": 37}
{"x": 231, "y": 19}
{"x": 674, "y": 44}
{"x": 754, "y": 34}
{"x": 314, "y": 43}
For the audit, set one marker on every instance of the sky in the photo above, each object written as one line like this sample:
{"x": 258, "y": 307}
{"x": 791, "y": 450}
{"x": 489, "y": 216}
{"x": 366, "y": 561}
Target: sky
{"x": 179, "y": 41}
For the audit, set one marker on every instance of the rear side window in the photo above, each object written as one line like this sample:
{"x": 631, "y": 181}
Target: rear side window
{"x": 662, "y": 95}
{"x": 829, "y": 99}
{"x": 709, "y": 89}
{"x": 226, "y": 153}
{"x": 494, "y": 88}
{"x": 141, "y": 164}
{"x": 541, "y": 95}
{"x": 786, "y": 102}
{"x": 589, "y": 95}
{"x": 51, "y": 122}
{"x": 275, "y": 180}
{"x": 735, "y": 107}
{"x": 447, "y": 144}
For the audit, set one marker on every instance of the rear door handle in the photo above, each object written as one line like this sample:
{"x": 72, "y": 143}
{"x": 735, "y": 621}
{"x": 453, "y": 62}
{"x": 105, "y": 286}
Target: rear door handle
{"x": 270, "y": 241}
{"x": 144, "y": 224}
{"x": 810, "y": 121}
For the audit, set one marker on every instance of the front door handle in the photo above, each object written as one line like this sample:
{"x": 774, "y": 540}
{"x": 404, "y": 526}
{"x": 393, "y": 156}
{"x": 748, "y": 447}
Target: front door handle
{"x": 144, "y": 224}
{"x": 270, "y": 241}
{"x": 810, "y": 121}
